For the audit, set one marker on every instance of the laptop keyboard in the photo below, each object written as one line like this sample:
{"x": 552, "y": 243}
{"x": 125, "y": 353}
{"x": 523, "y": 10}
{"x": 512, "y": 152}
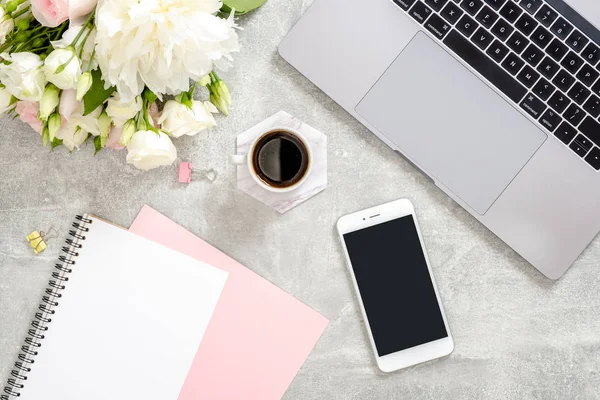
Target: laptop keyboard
{"x": 529, "y": 51}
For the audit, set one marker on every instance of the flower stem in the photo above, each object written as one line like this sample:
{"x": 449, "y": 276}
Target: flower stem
{"x": 61, "y": 29}
{"x": 19, "y": 13}
{"x": 83, "y": 43}
{"x": 84, "y": 27}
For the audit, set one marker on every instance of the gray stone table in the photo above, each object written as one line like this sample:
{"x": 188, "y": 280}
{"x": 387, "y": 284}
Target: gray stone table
{"x": 518, "y": 335}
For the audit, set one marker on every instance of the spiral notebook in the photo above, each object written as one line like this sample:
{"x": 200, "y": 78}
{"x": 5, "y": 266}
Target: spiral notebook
{"x": 122, "y": 319}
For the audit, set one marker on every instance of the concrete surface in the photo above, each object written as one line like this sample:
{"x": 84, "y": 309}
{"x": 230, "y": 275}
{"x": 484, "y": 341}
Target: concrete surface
{"x": 518, "y": 335}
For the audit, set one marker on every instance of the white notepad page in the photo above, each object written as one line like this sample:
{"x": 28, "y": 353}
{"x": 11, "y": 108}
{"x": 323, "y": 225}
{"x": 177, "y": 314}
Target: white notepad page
{"x": 129, "y": 323}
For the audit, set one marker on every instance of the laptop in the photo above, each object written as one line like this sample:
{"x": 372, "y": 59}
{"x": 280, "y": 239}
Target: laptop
{"x": 496, "y": 101}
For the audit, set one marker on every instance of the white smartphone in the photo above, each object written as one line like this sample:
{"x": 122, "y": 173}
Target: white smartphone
{"x": 396, "y": 289}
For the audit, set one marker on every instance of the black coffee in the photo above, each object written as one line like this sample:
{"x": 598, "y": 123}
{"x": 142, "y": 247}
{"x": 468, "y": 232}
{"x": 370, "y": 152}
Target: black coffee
{"x": 280, "y": 159}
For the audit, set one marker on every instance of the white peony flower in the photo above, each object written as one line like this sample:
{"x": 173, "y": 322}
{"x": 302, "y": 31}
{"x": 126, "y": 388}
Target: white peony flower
{"x": 7, "y": 25}
{"x": 178, "y": 119}
{"x": 62, "y": 67}
{"x": 120, "y": 111}
{"x": 22, "y": 75}
{"x": 77, "y": 126}
{"x": 161, "y": 43}
{"x": 148, "y": 150}
{"x": 69, "y": 36}
{"x": 6, "y": 101}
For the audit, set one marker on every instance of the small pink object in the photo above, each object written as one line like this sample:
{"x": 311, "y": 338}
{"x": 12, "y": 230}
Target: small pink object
{"x": 185, "y": 172}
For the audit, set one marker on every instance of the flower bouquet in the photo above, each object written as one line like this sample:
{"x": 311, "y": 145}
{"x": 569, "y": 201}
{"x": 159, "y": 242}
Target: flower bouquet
{"x": 94, "y": 70}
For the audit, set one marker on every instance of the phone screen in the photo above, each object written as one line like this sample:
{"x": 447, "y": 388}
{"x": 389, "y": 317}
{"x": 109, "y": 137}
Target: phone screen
{"x": 395, "y": 285}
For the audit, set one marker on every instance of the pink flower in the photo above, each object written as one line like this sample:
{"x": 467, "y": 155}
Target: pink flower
{"x": 28, "y": 113}
{"x": 113, "y": 139}
{"x": 54, "y": 12}
{"x": 68, "y": 103}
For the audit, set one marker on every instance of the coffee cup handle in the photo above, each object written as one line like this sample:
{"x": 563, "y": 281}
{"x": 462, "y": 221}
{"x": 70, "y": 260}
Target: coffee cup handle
{"x": 237, "y": 159}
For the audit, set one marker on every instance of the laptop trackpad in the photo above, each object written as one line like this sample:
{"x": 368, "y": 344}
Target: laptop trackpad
{"x": 455, "y": 127}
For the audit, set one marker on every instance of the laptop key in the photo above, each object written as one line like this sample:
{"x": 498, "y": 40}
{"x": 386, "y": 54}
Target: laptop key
{"x": 436, "y": 4}
{"x": 486, "y": 67}
{"x": 548, "y": 68}
{"x": 533, "y": 106}
{"x": 531, "y": 5}
{"x": 550, "y": 120}
{"x": 511, "y": 11}
{"x": 579, "y": 93}
{"x": 546, "y": 15}
{"x": 471, "y": 6}
{"x": 495, "y": 4}
{"x": 517, "y": 43}
{"x": 596, "y": 88}
{"x": 572, "y": 62}
{"x": 563, "y": 80}
{"x": 497, "y": 51}
{"x": 591, "y": 128}
{"x": 565, "y": 133}
{"x": 593, "y": 158}
{"x": 588, "y": 75}
{"x": 513, "y": 63}
{"x": 467, "y": 25}
{"x": 543, "y": 89}
{"x": 420, "y": 12}
{"x": 581, "y": 145}
{"x": 451, "y": 13}
{"x": 526, "y": 24}
{"x": 562, "y": 28}
{"x": 487, "y": 17}
{"x": 559, "y": 102}
{"x": 528, "y": 76}
{"x": 533, "y": 55}
{"x": 482, "y": 38}
{"x": 405, "y": 4}
{"x": 592, "y": 106}
{"x": 557, "y": 50}
{"x": 541, "y": 37}
{"x": 577, "y": 41}
{"x": 502, "y": 29}
{"x": 591, "y": 54}
{"x": 574, "y": 115}
{"x": 437, "y": 26}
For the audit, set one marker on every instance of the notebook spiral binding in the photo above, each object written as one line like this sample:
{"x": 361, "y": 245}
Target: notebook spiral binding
{"x": 47, "y": 308}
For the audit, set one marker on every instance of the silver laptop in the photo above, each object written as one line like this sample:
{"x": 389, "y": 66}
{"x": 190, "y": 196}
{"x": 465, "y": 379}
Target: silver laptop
{"x": 497, "y": 101}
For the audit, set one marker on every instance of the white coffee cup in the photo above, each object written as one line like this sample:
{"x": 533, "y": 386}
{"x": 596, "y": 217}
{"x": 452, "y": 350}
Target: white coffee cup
{"x": 248, "y": 160}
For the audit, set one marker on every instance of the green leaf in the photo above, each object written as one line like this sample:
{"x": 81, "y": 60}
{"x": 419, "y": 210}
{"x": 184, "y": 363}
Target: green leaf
{"x": 97, "y": 95}
{"x": 241, "y": 6}
{"x": 97, "y": 144}
{"x": 55, "y": 143}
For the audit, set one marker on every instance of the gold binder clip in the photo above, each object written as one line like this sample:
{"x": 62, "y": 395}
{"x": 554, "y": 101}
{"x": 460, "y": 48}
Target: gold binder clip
{"x": 37, "y": 240}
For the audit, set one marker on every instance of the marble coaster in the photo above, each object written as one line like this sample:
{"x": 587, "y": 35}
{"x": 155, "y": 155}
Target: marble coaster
{"x": 316, "y": 182}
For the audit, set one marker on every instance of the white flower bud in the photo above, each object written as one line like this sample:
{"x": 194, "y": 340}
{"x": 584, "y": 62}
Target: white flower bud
{"x": 54, "y": 124}
{"x": 129, "y": 130}
{"x": 49, "y": 102}
{"x": 84, "y": 85}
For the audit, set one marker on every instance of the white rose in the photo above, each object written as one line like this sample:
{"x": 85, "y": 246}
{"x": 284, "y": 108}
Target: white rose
{"x": 122, "y": 111}
{"x": 7, "y": 25}
{"x": 22, "y": 75}
{"x": 6, "y": 101}
{"x": 69, "y": 36}
{"x": 62, "y": 67}
{"x": 178, "y": 119}
{"x": 148, "y": 150}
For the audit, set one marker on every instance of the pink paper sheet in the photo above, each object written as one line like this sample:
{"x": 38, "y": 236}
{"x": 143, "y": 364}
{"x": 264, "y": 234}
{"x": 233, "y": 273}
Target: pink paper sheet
{"x": 259, "y": 336}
